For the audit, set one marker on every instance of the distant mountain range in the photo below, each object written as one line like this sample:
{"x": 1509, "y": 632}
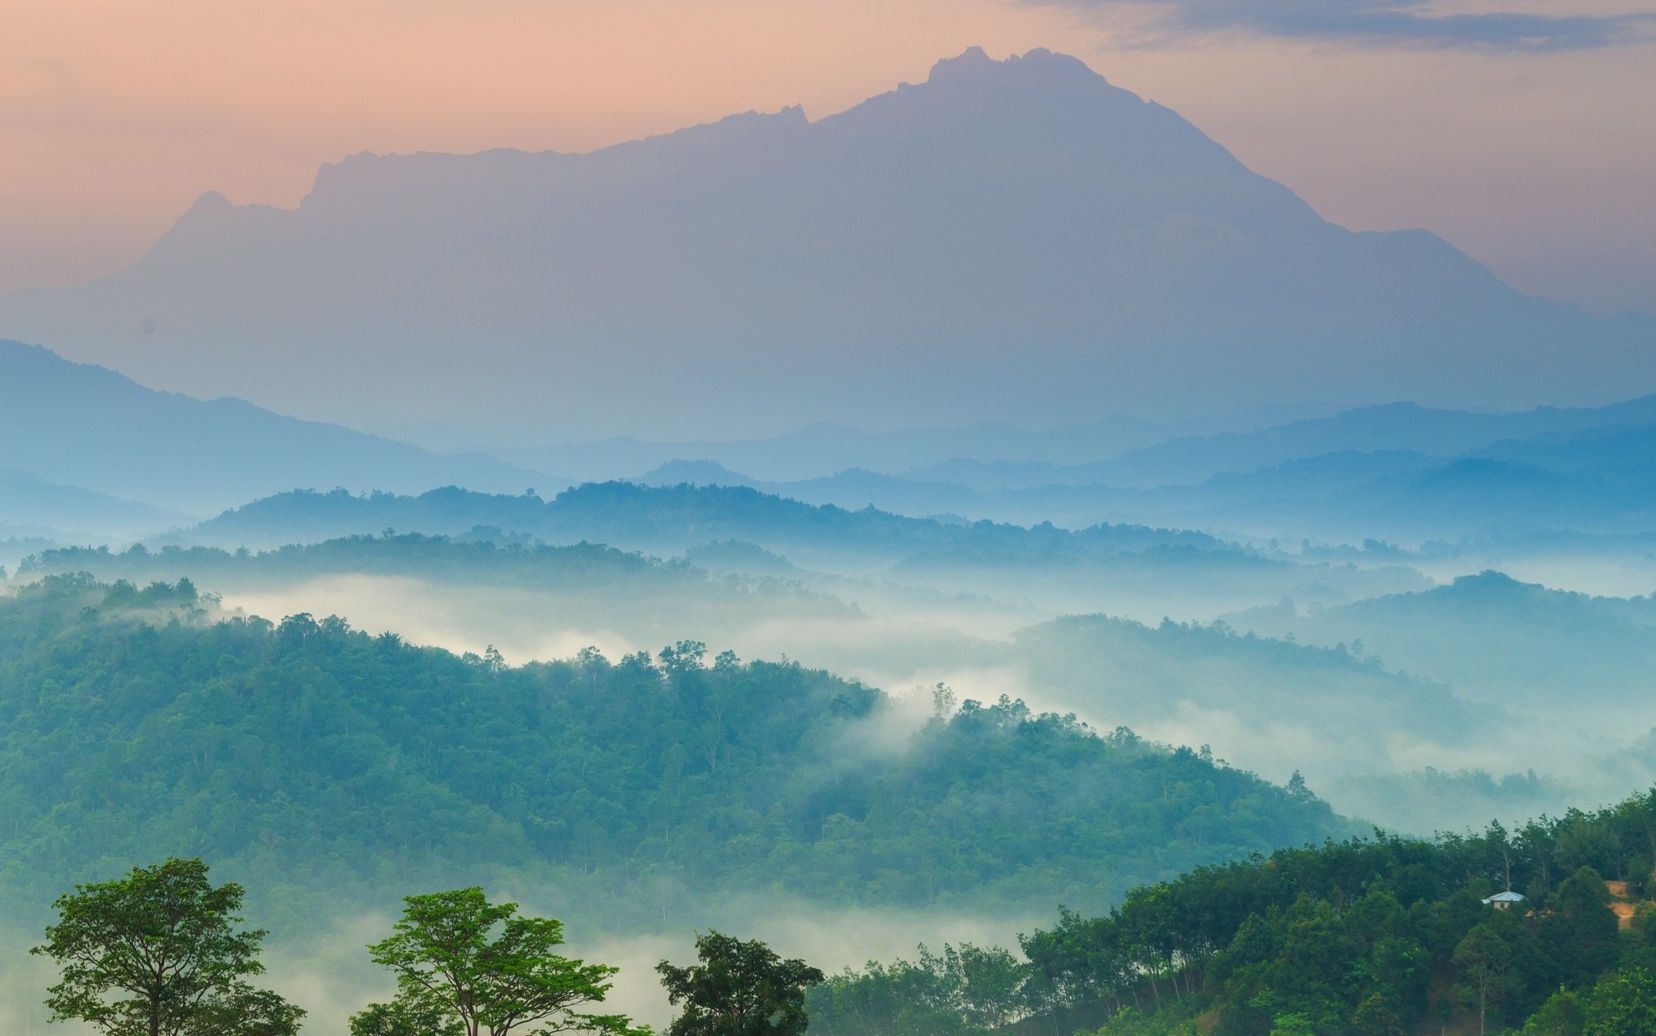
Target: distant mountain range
{"x": 1399, "y": 471}
{"x": 819, "y": 450}
{"x": 1011, "y": 240}
{"x": 86, "y": 453}
{"x": 673, "y": 519}
{"x": 84, "y": 426}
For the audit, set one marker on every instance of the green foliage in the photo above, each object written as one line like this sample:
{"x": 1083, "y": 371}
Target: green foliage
{"x": 304, "y": 756}
{"x": 482, "y": 557}
{"x": 964, "y": 991}
{"x": 1623, "y": 1003}
{"x": 401, "y": 1019}
{"x": 468, "y": 966}
{"x": 1488, "y": 969}
{"x": 161, "y": 953}
{"x": 738, "y": 989}
{"x": 1385, "y": 936}
{"x": 1561, "y": 1015}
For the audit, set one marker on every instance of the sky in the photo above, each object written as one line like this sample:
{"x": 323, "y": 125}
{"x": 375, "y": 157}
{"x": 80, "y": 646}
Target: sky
{"x": 1523, "y": 132}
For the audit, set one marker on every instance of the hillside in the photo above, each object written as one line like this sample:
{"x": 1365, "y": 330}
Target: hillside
{"x": 1375, "y": 936}
{"x": 668, "y": 519}
{"x": 1137, "y": 570}
{"x": 467, "y": 592}
{"x": 1138, "y": 265}
{"x": 1343, "y": 713}
{"x": 1497, "y": 639}
{"x": 28, "y": 501}
{"x": 88, "y": 426}
{"x": 304, "y": 755}
{"x": 1400, "y": 472}
{"x": 1397, "y": 426}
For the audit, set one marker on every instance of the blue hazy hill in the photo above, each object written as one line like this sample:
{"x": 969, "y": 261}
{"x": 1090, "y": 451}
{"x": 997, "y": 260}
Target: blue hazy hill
{"x": 89, "y": 426}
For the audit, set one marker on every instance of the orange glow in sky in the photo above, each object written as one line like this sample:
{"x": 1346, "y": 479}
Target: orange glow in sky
{"x": 115, "y": 115}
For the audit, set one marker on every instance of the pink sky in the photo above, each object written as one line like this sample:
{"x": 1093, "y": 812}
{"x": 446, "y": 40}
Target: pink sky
{"x": 114, "y": 116}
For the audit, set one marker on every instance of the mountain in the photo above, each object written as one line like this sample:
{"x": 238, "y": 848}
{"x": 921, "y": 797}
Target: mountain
{"x": 28, "y": 501}
{"x": 1498, "y": 639}
{"x": 1017, "y": 240}
{"x": 1343, "y": 714}
{"x": 820, "y": 449}
{"x": 672, "y": 519}
{"x": 87, "y": 425}
{"x": 1400, "y": 472}
{"x": 1375, "y": 935}
{"x": 330, "y": 769}
{"x": 1394, "y": 426}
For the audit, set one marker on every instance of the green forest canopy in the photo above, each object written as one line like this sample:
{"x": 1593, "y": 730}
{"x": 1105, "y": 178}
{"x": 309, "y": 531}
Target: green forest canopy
{"x": 1373, "y": 936}
{"x": 305, "y": 756}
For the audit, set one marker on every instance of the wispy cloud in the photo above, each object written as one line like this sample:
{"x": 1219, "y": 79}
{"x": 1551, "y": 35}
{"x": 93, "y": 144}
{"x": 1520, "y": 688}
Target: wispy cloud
{"x": 1395, "y": 23}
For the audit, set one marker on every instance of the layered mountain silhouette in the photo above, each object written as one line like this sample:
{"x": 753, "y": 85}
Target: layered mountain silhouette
{"x": 88, "y": 426}
{"x": 1011, "y": 240}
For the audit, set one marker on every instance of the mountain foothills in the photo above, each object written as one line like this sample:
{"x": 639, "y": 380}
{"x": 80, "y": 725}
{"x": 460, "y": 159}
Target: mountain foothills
{"x": 739, "y": 276}
{"x": 1375, "y": 936}
{"x": 314, "y": 760}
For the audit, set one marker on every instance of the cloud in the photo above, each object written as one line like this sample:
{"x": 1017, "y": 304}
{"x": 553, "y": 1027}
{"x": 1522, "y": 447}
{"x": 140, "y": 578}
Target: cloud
{"x": 1379, "y": 23}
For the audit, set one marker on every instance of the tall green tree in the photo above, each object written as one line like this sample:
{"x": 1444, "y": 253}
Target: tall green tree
{"x": 161, "y": 952}
{"x": 1580, "y": 928}
{"x": 1485, "y": 962}
{"x": 738, "y": 989}
{"x": 468, "y": 967}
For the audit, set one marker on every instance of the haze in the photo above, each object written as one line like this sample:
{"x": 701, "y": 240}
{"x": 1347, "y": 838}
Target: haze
{"x": 1532, "y": 152}
{"x": 1151, "y": 500}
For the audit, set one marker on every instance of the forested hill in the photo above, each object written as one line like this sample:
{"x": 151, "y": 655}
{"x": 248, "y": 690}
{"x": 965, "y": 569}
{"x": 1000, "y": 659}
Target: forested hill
{"x": 1533, "y": 639}
{"x": 314, "y": 761}
{"x": 584, "y": 567}
{"x": 1373, "y": 937}
{"x": 668, "y": 519}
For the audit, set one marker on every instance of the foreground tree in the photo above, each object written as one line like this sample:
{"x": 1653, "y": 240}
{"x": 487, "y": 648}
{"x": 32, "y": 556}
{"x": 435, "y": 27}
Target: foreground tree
{"x": 1622, "y": 1004}
{"x": 161, "y": 953}
{"x": 468, "y": 967}
{"x": 738, "y": 989}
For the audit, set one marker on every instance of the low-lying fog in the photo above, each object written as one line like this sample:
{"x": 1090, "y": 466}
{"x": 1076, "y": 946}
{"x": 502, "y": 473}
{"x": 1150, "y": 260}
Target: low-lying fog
{"x": 1349, "y": 718}
{"x": 330, "y": 976}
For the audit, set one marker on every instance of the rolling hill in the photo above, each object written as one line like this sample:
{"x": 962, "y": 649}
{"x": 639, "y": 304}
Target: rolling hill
{"x": 89, "y": 426}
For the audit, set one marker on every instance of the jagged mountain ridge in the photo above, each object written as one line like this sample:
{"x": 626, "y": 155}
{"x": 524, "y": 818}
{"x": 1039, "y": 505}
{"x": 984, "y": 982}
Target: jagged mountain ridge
{"x": 1019, "y": 240}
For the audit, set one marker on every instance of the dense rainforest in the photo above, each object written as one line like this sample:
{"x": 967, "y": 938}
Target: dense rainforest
{"x": 1381, "y": 936}
{"x": 308, "y": 759}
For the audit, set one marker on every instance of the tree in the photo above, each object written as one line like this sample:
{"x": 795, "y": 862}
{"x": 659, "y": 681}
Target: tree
{"x": 1580, "y": 929}
{"x": 1561, "y": 1015}
{"x": 1485, "y": 962}
{"x": 1292, "y": 1024}
{"x": 161, "y": 953}
{"x": 468, "y": 967}
{"x": 397, "y": 1019}
{"x": 1622, "y": 1004}
{"x": 738, "y": 989}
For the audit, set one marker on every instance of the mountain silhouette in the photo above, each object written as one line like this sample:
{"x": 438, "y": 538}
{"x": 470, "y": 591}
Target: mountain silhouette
{"x": 1011, "y": 240}
{"x": 63, "y": 422}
